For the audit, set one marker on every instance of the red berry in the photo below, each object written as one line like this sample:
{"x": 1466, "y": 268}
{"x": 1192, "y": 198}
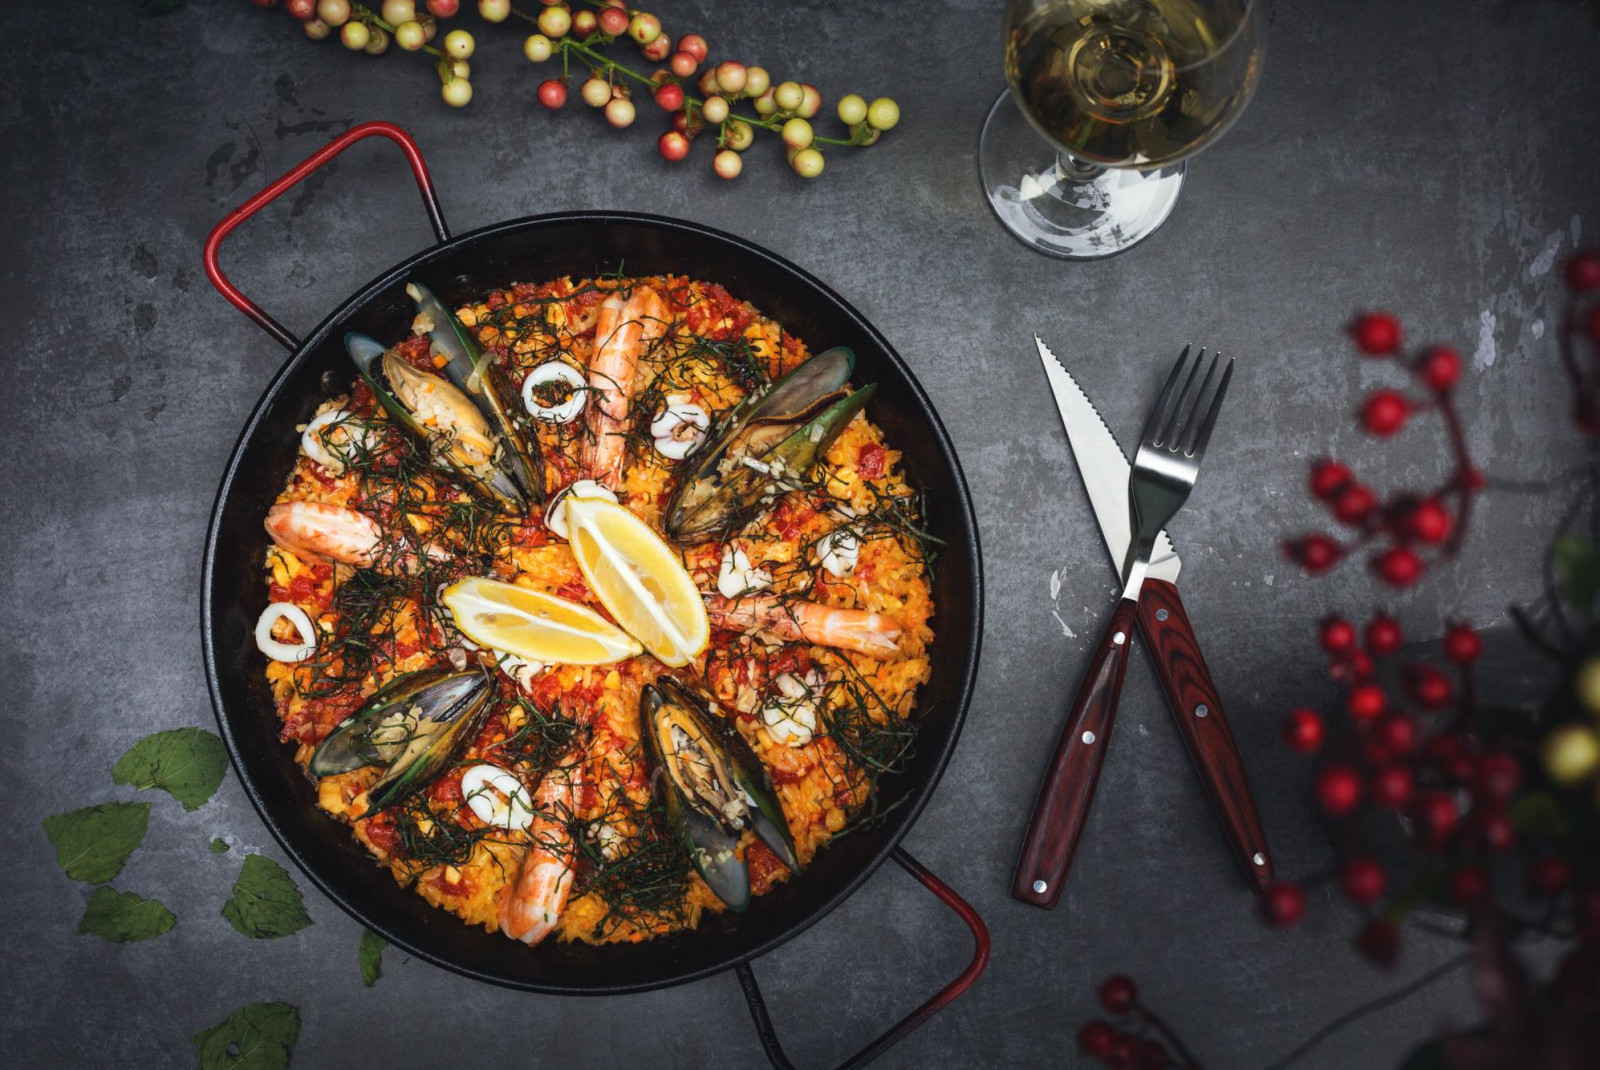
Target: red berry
{"x": 1303, "y": 730}
{"x": 1376, "y": 334}
{"x": 1397, "y": 566}
{"x": 695, "y": 45}
{"x": 672, "y": 145}
{"x": 1379, "y": 943}
{"x": 1352, "y": 667}
{"x": 1327, "y": 477}
{"x": 1444, "y": 748}
{"x": 552, "y": 93}
{"x": 1440, "y": 367}
{"x": 1314, "y": 553}
{"x": 1583, "y": 272}
{"x": 1549, "y": 874}
{"x": 1495, "y": 832}
{"x": 1461, "y": 644}
{"x": 1468, "y": 886}
{"x": 304, "y": 10}
{"x": 1354, "y": 503}
{"x": 1118, "y": 994}
{"x": 1384, "y": 636}
{"x": 1428, "y": 687}
{"x": 1392, "y": 786}
{"x": 613, "y": 21}
{"x": 1398, "y": 733}
{"x": 1365, "y": 703}
{"x": 1429, "y": 521}
{"x": 1362, "y": 880}
{"x": 1384, "y": 412}
{"x": 1437, "y": 814}
{"x": 1336, "y": 635}
{"x": 444, "y": 9}
{"x": 1338, "y": 789}
{"x": 1496, "y": 777}
{"x": 1096, "y": 1038}
{"x": 1152, "y": 1056}
{"x": 1122, "y": 1054}
{"x": 1283, "y": 904}
{"x": 669, "y": 97}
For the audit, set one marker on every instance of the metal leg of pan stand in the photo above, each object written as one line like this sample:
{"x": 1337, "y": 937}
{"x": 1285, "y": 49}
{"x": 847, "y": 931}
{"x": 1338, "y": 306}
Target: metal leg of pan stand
{"x": 898, "y": 1032}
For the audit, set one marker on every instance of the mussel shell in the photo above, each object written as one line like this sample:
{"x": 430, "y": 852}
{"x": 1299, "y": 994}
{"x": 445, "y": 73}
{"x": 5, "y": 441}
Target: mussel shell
{"x": 473, "y": 370}
{"x": 491, "y": 482}
{"x": 442, "y": 705}
{"x": 766, "y": 813}
{"x": 709, "y": 506}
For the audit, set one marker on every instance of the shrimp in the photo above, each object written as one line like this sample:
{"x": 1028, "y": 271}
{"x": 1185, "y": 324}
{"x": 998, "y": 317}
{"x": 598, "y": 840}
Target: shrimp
{"x": 531, "y": 905}
{"x": 857, "y": 630}
{"x": 339, "y": 535}
{"x": 624, "y": 329}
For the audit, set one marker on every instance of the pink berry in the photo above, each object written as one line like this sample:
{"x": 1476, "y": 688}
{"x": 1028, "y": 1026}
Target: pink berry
{"x": 673, "y": 145}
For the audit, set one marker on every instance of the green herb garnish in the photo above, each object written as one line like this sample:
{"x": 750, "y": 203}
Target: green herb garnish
{"x": 123, "y": 917}
{"x": 186, "y": 763}
{"x": 93, "y": 843}
{"x": 266, "y": 903}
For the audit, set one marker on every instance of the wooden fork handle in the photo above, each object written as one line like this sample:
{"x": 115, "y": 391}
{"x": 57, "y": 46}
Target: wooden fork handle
{"x": 1063, "y": 805}
{"x": 1197, "y": 709}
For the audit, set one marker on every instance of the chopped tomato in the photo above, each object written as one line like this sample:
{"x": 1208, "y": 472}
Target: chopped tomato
{"x": 362, "y": 400}
{"x": 764, "y": 867}
{"x": 322, "y": 475}
{"x": 791, "y": 515}
{"x": 382, "y": 833}
{"x": 496, "y": 301}
{"x": 574, "y": 591}
{"x": 869, "y": 462}
{"x": 326, "y": 712}
{"x": 718, "y": 315}
{"x": 793, "y": 659}
{"x": 531, "y": 532}
{"x": 414, "y": 351}
{"x": 446, "y": 791}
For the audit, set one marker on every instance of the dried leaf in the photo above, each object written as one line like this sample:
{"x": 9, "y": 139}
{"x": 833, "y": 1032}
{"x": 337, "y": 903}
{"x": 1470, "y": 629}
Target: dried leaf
{"x": 259, "y": 1036}
{"x": 123, "y": 917}
{"x": 93, "y": 843}
{"x": 186, "y": 763}
{"x": 266, "y": 903}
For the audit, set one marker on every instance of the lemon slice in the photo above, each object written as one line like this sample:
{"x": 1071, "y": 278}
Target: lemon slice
{"x": 639, "y": 579}
{"x": 535, "y": 625}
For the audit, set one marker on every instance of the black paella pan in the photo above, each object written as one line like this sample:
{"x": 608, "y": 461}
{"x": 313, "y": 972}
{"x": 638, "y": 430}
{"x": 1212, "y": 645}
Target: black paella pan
{"x": 232, "y": 595}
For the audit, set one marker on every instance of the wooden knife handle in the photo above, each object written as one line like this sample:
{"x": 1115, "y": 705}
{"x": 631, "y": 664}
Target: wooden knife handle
{"x": 1063, "y": 805}
{"x": 1197, "y": 708}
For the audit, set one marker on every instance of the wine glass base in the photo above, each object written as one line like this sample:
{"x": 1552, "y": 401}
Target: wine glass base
{"x": 1060, "y": 207}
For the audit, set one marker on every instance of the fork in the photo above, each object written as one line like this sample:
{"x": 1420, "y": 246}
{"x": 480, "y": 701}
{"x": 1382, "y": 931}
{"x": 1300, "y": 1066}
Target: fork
{"x": 1165, "y": 468}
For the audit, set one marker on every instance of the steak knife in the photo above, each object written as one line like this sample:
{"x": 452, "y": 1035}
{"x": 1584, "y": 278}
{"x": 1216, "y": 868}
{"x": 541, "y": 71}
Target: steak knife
{"x": 1191, "y": 695}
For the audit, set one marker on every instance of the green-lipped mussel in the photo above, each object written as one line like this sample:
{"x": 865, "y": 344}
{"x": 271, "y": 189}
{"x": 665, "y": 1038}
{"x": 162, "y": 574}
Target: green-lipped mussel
{"x": 415, "y": 725}
{"x": 472, "y": 370}
{"x": 712, "y": 786}
{"x": 443, "y": 419}
{"x": 764, "y": 446}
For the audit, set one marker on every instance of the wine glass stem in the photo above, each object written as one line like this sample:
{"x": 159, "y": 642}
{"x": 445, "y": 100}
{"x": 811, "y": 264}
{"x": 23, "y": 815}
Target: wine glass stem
{"x": 1076, "y": 170}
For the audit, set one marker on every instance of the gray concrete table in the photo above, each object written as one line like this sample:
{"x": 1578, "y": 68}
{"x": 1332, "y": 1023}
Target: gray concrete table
{"x": 1424, "y": 157}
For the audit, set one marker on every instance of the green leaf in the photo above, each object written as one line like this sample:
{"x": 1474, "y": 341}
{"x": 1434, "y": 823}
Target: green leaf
{"x": 219, "y": 846}
{"x": 1577, "y": 571}
{"x": 123, "y": 917}
{"x": 93, "y": 843}
{"x": 186, "y": 763}
{"x": 266, "y": 903}
{"x": 372, "y": 946}
{"x": 258, "y": 1036}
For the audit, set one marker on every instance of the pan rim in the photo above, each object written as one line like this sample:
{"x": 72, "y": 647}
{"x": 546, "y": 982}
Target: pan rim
{"x": 965, "y": 518}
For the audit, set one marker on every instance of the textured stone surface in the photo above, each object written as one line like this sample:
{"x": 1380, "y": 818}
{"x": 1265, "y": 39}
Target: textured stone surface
{"x": 1424, "y": 157}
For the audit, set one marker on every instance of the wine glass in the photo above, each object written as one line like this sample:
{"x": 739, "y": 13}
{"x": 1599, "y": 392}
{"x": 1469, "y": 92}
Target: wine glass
{"x": 1125, "y": 91}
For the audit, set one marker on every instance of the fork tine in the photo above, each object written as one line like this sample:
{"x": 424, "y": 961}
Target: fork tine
{"x": 1184, "y": 410}
{"x": 1203, "y": 435}
{"x": 1183, "y": 440}
{"x": 1158, "y": 415}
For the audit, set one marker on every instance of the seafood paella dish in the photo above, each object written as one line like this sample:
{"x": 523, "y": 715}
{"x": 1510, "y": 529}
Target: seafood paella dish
{"x": 596, "y": 606}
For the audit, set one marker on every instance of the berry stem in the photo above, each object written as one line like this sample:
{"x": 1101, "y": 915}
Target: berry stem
{"x": 1156, "y": 1022}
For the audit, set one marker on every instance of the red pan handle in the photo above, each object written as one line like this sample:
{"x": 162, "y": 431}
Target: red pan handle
{"x": 1068, "y": 789}
{"x": 1197, "y": 708}
{"x": 419, "y": 169}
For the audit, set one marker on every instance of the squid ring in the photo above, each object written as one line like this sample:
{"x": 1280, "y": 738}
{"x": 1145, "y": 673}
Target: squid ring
{"x": 287, "y": 652}
{"x": 554, "y": 371}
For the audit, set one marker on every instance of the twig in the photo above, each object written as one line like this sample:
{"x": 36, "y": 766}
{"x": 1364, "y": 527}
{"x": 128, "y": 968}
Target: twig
{"x": 1449, "y": 966}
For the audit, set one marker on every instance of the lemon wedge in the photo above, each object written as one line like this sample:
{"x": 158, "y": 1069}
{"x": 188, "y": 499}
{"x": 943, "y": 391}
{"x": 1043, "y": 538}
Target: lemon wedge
{"x": 639, "y": 579}
{"x": 535, "y": 625}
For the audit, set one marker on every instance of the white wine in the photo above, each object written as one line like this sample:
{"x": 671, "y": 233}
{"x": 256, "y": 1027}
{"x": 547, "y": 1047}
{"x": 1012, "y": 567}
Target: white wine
{"x": 1132, "y": 83}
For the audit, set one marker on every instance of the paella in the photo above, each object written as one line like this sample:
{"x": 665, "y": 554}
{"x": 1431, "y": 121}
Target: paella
{"x": 596, "y": 605}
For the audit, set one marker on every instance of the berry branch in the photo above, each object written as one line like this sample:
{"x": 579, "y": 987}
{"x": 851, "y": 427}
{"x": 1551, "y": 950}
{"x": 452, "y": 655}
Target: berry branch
{"x": 785, "y": 108}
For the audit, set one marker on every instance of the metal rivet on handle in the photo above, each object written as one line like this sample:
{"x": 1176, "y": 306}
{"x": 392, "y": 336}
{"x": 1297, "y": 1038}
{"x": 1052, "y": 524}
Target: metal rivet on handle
{"x": 1259, "y": 859}
{"x": 1040, "y": 887}
{"x": 1088, "y": 737}
{"x": 1118, "y": 638}
{"x": 1161, "y": 614}
{"x": 1201, "y": 710}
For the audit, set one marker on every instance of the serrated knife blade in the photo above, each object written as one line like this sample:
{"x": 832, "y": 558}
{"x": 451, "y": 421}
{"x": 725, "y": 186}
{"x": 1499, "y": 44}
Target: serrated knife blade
{"x": 1104, "y": 469}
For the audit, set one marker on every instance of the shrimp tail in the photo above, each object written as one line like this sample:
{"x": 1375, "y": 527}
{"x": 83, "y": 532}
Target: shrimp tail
{"x": 857, "y": 630}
